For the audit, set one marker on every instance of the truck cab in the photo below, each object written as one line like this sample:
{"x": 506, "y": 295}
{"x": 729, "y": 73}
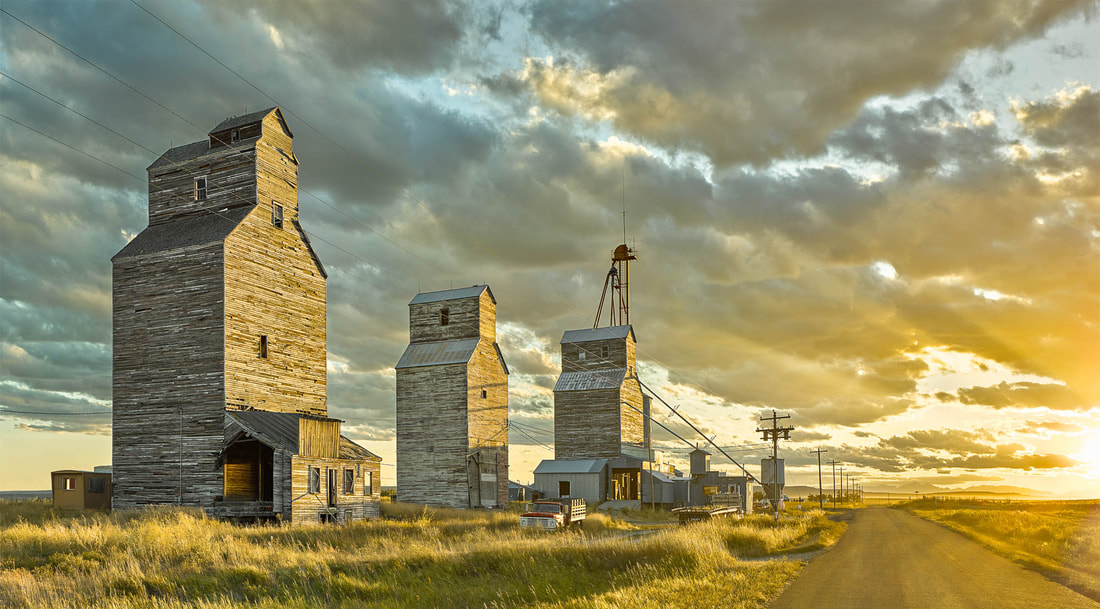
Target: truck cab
{"x": 551, "y": 514}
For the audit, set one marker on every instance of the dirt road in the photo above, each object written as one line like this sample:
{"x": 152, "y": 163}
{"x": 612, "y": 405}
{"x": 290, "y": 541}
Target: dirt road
{"x": 890, "y": 559}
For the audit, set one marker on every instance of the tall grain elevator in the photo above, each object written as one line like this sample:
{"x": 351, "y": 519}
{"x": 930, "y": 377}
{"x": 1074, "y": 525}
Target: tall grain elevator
{"x": 452, "y": 403}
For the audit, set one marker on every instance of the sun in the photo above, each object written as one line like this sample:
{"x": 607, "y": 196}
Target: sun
{"x": 1089, "y": 454}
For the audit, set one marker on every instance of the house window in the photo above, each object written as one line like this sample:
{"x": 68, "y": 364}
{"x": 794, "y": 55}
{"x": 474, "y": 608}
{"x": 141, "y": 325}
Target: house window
{"x": 605, "y": 351}
{"x": 580, "y": 355}
{"x": 444, "y": 317}
{"x": 368, "y": 483}
{"x": 235, "y": 136}
{"x": 200, "y": 189}
{"x": 276, "y": 215}
{"x": 349, "y": 481}
{"x": 563, "y": 488}
{"x": 70, "y": 484}
{"x": 314, "y": 480}
{"x": 484, "y": 394}
{"x": 263, "y": 346}
{"x": 97, "y": 485}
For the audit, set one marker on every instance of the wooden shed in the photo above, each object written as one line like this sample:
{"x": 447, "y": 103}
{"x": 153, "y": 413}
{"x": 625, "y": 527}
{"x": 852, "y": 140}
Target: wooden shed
{"x": 78, "y": 490}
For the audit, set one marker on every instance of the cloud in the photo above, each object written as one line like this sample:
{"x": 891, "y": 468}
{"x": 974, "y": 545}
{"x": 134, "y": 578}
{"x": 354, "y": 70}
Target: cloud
{"x": 1024, "y": 395}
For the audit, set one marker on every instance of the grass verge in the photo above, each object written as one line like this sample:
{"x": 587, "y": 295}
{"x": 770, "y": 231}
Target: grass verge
{"x": 1060, "y": 539}
{"x": 414, "y": 558}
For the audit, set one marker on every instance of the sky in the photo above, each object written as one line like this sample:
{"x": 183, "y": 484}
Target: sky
{"x": 880, "y": 218}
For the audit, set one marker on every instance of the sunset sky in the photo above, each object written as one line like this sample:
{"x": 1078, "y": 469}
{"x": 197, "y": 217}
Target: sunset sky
{"x": 881, "y": 218}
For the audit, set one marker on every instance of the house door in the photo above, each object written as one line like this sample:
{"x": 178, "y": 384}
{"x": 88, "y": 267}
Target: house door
{"x": 332, "y": 488}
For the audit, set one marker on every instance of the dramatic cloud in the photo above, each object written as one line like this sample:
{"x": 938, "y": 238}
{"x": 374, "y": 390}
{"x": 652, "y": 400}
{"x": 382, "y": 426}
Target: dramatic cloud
{"x": 828, "y": 200}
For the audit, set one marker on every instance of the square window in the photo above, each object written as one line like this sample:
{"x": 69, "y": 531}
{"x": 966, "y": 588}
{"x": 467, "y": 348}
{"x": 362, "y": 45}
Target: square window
{"x": 580, "y": 355}
{"x": 263, "y": 346}
{"x": 200, "y": 189}
{"x": 368, "y": 483}
{"x": 605, "y": 351}
{"x": 70, "y": 484}
{"x": 276, "y": 215}
{"x": 97, "y": 485}
{"x": 444, "y": 317}
{"x": 314, "y": 480}
{"x": 484, "y": 394}
{"x": 235, "y": 136}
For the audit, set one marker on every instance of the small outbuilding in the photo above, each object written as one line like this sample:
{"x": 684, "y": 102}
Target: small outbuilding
{"x": 75, "y": 489}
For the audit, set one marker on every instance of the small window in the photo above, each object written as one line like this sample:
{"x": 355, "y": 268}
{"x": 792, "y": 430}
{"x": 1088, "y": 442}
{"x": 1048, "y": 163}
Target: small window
{"x": 70, "y": 484}
{"x": 444, "y": 317}
{"x": 97, "y": 485}
{"x": 484, "y": 394}
{"x": 263, "y": 347}
{"x": 315, "y": 480}
{"x": 368, "y": 483}
{"x": 563, "y": 488}
{"x": 349, "y": 481}
{"x": 235, "y": 136}
{"x": 580, "y": 355}
{"x": 200, "y": 189}
{"x": 276, "y": 215}
{"x": 605, "y": 351}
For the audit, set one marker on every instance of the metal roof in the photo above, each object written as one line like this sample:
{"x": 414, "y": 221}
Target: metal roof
{"x": 610, "y": 378}
{"x": 579, "y": 466}
{"x": 455, "y": 294}
{"x": 433, "y": 354}
{"x": 280, "y": 430}
{"x": 244, "y": 119}
{"x": 590, "y": 334}
{"x": 200, "y": 228}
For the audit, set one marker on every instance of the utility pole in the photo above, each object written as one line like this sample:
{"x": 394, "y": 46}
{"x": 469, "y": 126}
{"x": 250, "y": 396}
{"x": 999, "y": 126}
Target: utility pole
{"x": 842, "y": 485}
{"x": 833, "y": 462}
{"x": 820, "y": 492}
{"x": 773, "y": 434}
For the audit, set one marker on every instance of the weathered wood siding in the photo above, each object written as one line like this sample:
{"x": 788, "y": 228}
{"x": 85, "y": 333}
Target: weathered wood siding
{"x": 432, "y": 436}
{"x": 307, "y": 508}
{"x": 488, "y": 424}
{"x": 167, "y": 377}
{"x": 230, "y": 174}
{"x": 274, "y": 288}
{"x": 595, "y": 423}
{"x": 465, "y": 317}
{"x": 317, "y": 438}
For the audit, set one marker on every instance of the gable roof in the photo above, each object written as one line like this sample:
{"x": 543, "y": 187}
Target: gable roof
{"x": 182, "y": 153}
{"x": 454, "y": 294}
{"x": 280, "y": 430}
{"x": 590, "y": 334}
{"x": 579, "y": 466}
{"x": 438, "y": 353}
{"x": 244, "y": 119}
{"x": 583, "y": 380}
{"x": 190, "y": 230}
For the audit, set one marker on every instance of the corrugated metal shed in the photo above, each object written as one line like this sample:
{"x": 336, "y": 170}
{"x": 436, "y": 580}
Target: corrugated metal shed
{"x": 591, "y": 334}
{"x": 443, "y": 352}
{"x": 581, "y": 466}
{"x": 584, "y": 380}
{"x": 470, "y": 292}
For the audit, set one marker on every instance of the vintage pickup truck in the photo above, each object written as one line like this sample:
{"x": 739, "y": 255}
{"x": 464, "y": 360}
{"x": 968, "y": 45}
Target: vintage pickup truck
{"x": 551, "y": 514}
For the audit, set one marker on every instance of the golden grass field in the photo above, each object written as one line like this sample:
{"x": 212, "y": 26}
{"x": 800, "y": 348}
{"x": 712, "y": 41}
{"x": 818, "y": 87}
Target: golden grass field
{"x": 1060, "y": 539}
{"x": 414, "y": 558}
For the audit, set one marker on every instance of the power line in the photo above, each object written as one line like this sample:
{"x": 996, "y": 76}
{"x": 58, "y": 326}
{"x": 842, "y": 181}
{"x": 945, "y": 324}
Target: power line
{"x": 52, "y": 414}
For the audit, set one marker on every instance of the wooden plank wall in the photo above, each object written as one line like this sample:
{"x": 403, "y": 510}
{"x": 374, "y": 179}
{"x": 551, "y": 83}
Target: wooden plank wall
{"x": 167, "y": 373}
{"x": 318, "y": 438}
{"x": 432, "y": 437}
{"x": 273, "y": 288}
{"x": 594, "y": 424}
{"x": 306, "y": 507}
{"x": 230, "y": 182}
{"x": 488, "y": 422}
{"x": 465, "y": 320}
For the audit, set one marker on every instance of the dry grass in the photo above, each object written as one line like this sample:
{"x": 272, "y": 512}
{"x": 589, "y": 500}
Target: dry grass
{"x": 1061, "y": 539}
{"x": 415, "y": 558}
